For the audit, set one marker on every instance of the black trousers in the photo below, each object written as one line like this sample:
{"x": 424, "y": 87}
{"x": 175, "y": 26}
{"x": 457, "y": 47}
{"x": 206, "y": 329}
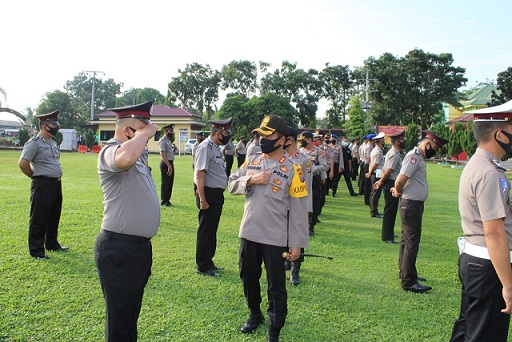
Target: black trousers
{"x": 167, "y": 182}
{"x": 360, "y": 181}
{"x": 333, "y": 183}
{"x": 206, "y": 243}
{"x": 355, "y": 168}
{"x": 367, "y": 185}
{"x": 45, "y": 210}
{"x": 411, "y": 213}
{"x": 240, "y": 158}
{"x": 346, "y": 174}
{"x": 480, "y": 316}
{"x": 252, "y": 254}
{"x": 317, "y": 194}
{"x": 229, "y": 164}
{"x": 324, "y": 190}
{"x": 374, "y": 196}
{"x": 124, "y": 266}
{"x": 390, "y": 210}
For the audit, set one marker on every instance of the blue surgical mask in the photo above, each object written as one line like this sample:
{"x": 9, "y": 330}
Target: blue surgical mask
{"x": 345, "y": 143}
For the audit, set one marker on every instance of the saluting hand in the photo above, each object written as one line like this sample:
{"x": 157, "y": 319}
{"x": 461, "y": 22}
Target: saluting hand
{"x": 150, "y": 130}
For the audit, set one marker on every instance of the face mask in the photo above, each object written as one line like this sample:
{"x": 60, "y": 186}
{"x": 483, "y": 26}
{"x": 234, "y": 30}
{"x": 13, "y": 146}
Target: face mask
{"x": 303, "y": 143}
{"x": 268, "y": 146}
{"x": 317, "y": 143}
{"x": 169, "y": 134}
{"x": 429, "y": 153}
{"x": 506, "y": 147}
{"x": 285, "y": 146}
{"x": 52, "y": 130}
{"x": 224, "y": 139}
{"x": 401, "y": 144}
{"x": 345, "y": 143}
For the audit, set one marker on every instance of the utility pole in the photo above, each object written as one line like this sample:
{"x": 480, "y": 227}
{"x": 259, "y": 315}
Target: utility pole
{"x": 366, "y": 106}
{"x": 93, "y": 88}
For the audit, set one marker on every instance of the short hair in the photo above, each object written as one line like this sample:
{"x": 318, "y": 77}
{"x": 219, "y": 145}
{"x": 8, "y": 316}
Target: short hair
{"x": 482, "y": 130}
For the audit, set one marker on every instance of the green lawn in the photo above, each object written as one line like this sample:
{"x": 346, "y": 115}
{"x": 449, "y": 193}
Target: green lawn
{"x": 355, "y": 297}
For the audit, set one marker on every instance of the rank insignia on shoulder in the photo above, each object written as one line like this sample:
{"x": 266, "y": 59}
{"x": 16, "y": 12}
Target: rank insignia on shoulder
{"x": 255, "y": 162}
{"x": 283, "y": 158}
{"x": 498, "y": 165}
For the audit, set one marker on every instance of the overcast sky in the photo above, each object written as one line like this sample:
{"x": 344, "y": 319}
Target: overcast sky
{"x": 143, "y": 44}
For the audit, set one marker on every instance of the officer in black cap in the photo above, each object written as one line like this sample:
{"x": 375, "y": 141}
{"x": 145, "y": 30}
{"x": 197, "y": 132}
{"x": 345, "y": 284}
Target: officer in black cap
{"x": 411, "y": 185}
{"x": 166, "y": 165}
{"x": 131, "y": 217}
{"x": 40, "y": 161}
{"x": 211, "y": 180}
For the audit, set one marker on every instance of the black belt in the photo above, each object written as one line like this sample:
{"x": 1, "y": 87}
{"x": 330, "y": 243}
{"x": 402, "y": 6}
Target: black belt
{"x": 218, "y": 190}
{"x": 47, "y": 178}
{"x": 124, "y": 237}
{"x": 405, "y": 200}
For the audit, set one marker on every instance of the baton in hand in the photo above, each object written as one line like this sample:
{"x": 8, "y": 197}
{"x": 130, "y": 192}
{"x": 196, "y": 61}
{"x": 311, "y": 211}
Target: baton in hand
{"x": 286, "y": 255}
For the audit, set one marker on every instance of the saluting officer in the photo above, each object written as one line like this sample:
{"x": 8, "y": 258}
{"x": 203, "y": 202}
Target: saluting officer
{"x": 166, "y": 165}
{"x": 275, "y": 190}
{"x": 318, "y": 166}
{"x": 131, "y": 216}
{"x": 211, "y": 180}
{"x": 390, "y": 171}
{"x": 412, "y": 185}
{"x": 486, "y": 218}
{"x": 39, "y": 161}
{"x": 298, "y": 157}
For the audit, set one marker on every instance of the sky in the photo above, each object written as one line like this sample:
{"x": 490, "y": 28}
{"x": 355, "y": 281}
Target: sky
{"x": 142, "y": 44}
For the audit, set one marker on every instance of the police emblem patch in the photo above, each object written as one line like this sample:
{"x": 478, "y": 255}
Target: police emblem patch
{"x": 504, "y": 184}
{"x": 275, "y": 189}
{"x": 255, "y": 162}
{"x": 283, "y": 168}
{"x": 413, "y": 160}
{"x": 277, "y": 181}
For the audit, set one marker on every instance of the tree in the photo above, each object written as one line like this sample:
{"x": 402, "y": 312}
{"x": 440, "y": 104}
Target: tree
{"x": 240, "y": 76}
{"x": 455, "y": 141}
{"x": 137, "y": 95}
{"x": 336, "y": 83}
{"x": 298, "y": 86}
{"x": 196, "y": 88}
{"x": 412, "y": 88}
{"x": 356, "y": 126}
{"x": 469, "y": 144}
{"x": 411, "y": 136}
{"x": 443, "y": 131}
{"x": 270, "y": 104}
{"x": 504, "y": 87}
{"x": 69, "y": 116}
{"x": 235, "y": 106}
{"x": 23, "y": 136}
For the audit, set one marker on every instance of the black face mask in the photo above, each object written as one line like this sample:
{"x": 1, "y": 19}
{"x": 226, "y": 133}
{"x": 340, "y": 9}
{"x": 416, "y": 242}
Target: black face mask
{"x": 225, "y": 139}
{"x": 268, "y": 146}
{"x": 169, "y": 134}
{"x": 52, "y": 130}
{"x": 303, "y": 143}
{"x": 285, "y": 146}
{"x": 401, "y": 144}
{"x": 429, "y": 153}
{"x": 506, "y": 147}
{"x": 133, "y": 130}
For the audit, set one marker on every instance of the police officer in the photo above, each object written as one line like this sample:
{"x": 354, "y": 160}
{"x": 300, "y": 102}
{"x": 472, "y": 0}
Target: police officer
{"x": 131, "y": 216}
{"x": 297, "y": 157}
{"x": 240, "y": 150}
{"x": 354, "y": 150}
{"x": 229, "y": 155}
{"x": 360, "y": 181}
{"x": 275, "y": 190}
{"x": 254, "y": 146}
{"x": 318, "y": 166}
{"x": 166, "y": 165}
{"x": 347, "y": 165}
{"x": 411, "y": 185}
{"x": 336, "y": 155}
{"x": 211, "y": 180}
{"x": 39, "y": 161}
{"x": 390, "y": 170}
{"x": 199, "y": 139}
{"x": 375, "y": 173}
{"x": 485, "y": 260}
{"x": 368, "y": 148}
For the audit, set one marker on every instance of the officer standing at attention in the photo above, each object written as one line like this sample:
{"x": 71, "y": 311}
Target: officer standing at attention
{"x": 131, "y": 216}
{"x": 486, "y": 218}
{"x": 39, "y": 161}
{"x": 254, "y": 146}
{"x": 354, "y": 149}
{"x": 199, "y": 139}
{"x": 275, "y": 189}
{"x": 366, "y": 167}
{"x": 166, "y": 165}
{"x": 211, "y": 180}
{"x": 375, "y": 173}
{"x": 347, "y": 165}
{"x": 292, "y": 150}
{"x": 240, "y": 151}
{"x": 318, "y": 165}
{"x": 360, "y": 181}
{"x": 337, "y": 163}
{"x": 412, "y": 185}
{"x": 229, "y": 155}
{"x": 390, "y": 171}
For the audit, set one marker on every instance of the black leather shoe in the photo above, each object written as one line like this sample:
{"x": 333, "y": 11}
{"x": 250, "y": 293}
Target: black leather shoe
{"x": 418, "y": 288}
{"x": 393, "y": 242}
{"x": 41, "y": 257}
{"x": 59, "y": 249}
{"x": 167, "y": 205}
{"x": 377, "y": 215}
{"x": 354, "y": 195}
{"x": 217, "y": 268}
{"x": 210, "y": 273}
{"x": 252, "y": 323}
{"x": 421, "y": 279}
{"x": 311, "y": 233}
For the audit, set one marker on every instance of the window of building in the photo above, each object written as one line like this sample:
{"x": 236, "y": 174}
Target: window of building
{"x": 106, "y": 135}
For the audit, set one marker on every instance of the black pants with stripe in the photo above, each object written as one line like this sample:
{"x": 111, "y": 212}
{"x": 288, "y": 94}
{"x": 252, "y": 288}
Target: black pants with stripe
{"x": 411, "y": 213}
{"x": 390, "y": 210}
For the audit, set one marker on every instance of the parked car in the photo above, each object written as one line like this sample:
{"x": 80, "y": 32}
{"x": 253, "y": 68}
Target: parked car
{"x": 189, "y": 145}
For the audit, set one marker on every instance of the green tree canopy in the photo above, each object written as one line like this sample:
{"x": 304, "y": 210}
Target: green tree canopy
{"x": 504, "y": 87}
{"x": 356, "y": 125}
{"x": 455, "y": 140}
{"x": 69, "y": 116}
{"x": 411, "y": 136}
{"x": 336, "y": 83}
{"x": 469, "y": 144}
{"x": 137, "y": 95}
{"x": 240, "y": 76}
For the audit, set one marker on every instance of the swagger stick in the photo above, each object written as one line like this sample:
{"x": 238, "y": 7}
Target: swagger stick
{"x": 286, "y": 255}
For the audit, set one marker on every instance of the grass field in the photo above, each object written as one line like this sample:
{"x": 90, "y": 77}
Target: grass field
{"x": 355, "y": 297}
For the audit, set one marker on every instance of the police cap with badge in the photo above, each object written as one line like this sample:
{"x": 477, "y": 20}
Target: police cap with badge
{"x": 224, "y": 124}
{"x": 436, "y": 139}
{"x": 52, "y": 117}
{"x": 272, "y": 124}
{"x": 169, "y": 127}
{"x": 305, "y": 135}
{"x": 140, "y": 112}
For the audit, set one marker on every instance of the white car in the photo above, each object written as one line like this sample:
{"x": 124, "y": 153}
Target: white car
{"x": 189, "y": 145}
